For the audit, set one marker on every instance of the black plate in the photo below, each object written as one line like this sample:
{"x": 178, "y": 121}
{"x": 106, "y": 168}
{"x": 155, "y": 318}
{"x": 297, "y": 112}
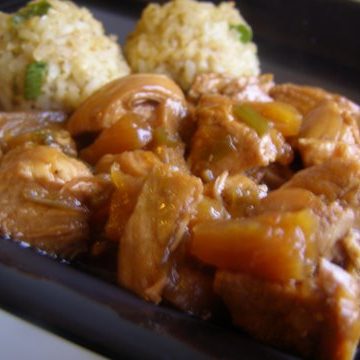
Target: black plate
{"x": 112, "y": 321}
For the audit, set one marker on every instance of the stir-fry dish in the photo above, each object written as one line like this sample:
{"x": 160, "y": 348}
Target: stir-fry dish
{"x": 213, "y": 191}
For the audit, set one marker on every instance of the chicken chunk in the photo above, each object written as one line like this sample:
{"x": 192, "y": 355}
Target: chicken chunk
{"x": 334, "y": 221}
{"x": 236, "y": 195}
{"x": 319, "y": 317}
{"x": 273, "y": 176}
{"x": 328, "y": 133}
{"x": 334, "y": 187}
{"x": 129, "y": 171}
{"x": 341, "y": 333}
{"x": 16, "y": 123}
{"x": 190, "y": 286}
{"x": 306, "y": 98}
{"x": 134, "y": 163}
{"x": 153, "y": 97}
{"x": 351, "y": 246}
{"x": 42, "y": 128}
{"x": 240, "y": 89}
{"x": 131, "y": 113}
{"x": 42, "y": 199}
{"x": 334, "y": 180}
{"x": 285, "y": 315}
{"x": 155, "y": 229}
{"x": 223, "y": 143}
{"x": 241, "y": 195}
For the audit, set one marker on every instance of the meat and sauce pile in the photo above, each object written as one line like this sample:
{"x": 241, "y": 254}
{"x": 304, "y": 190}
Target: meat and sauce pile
{"x": 240, "y": 193}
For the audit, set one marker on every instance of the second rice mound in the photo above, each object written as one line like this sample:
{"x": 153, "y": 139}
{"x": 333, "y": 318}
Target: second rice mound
{"x": 184, "y": 38}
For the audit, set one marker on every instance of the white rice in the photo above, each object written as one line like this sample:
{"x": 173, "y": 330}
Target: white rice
{"x": 80, "y": 58}
{"x": 184, "y": 38}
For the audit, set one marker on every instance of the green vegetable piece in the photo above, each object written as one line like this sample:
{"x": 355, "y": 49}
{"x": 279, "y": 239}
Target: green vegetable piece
{"x": 244, "y": 31}
{"x": 44, "y": 137}
{"x": 250, "y": 117}
{"x": 163, "y": 138}
{"x": 39, "y": 8}
{"x": 34, "y": 77}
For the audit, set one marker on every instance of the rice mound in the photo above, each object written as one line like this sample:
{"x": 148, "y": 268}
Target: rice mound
{"x": 79, "y": 57}
{"x": 184, "y": 38}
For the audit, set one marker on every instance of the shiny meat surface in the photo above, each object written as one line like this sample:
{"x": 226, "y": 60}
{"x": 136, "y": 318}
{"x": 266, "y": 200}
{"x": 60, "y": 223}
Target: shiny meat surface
{"x": 222, "y": 143}
{"x": 319, "y": 318}
{"x": 15, "y": 123}
{"x": 190, "y": 286}
{"x": 153, "y": 97}
{"x": 128, "y": 170}
{"x": 327, "y": 133}
{"x": 241, "y": 195}
{"x": 282, "y": 314}
{"x": 135, "y": 163}
{"x": 306, "y": 98}
{"x": 35, "y": 127}
{"x": 334, "y": 180}
{"x": 342, "y": 312}
{"x": 131, "y": 113}
{"x": 240, "y": 89}
{"x": 155, "y": 230}
{"x": 36, "y": 206}
{"x": 334, "y": 220}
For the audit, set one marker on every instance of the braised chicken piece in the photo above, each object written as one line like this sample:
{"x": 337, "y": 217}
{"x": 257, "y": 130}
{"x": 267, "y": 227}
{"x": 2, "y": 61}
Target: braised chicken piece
{"x": 173, "y": 156}
{"x": 130, "y": 113}
{"x": 337, "y": 180}
{"x": 319, "y": 317}
{"x": 155, "y": 229}
{"x": 129, "y": 171}
{"x": 351, "y": 247}
{"x": 327, "y": 133}
{"x": 190, "y": 285}
{"x": 251, "y": 88}
{"x": 35, "y": 127}
{"x": 13, "y": 124}
{"x": 273, "y": 176}
{"x": 135, "y": 163}
{"x": 334, "y": 221}
{"x": 340, "y": 336}
{"x": 146, "y": 95}
{"x": 306, "y": 98}
{"x": 241, "y": 195}
{"x": 227, "y": 142}
{"x": 139, "y": 162}
{"x": 42, "y": 199}
{"x": 283, "y": 314}
{"x": 234, "y": 195}
{"x": 336, "y": 183}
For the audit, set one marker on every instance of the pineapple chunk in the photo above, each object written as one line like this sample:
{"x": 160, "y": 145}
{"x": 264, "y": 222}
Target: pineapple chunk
{"x": 273, "y": 246}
